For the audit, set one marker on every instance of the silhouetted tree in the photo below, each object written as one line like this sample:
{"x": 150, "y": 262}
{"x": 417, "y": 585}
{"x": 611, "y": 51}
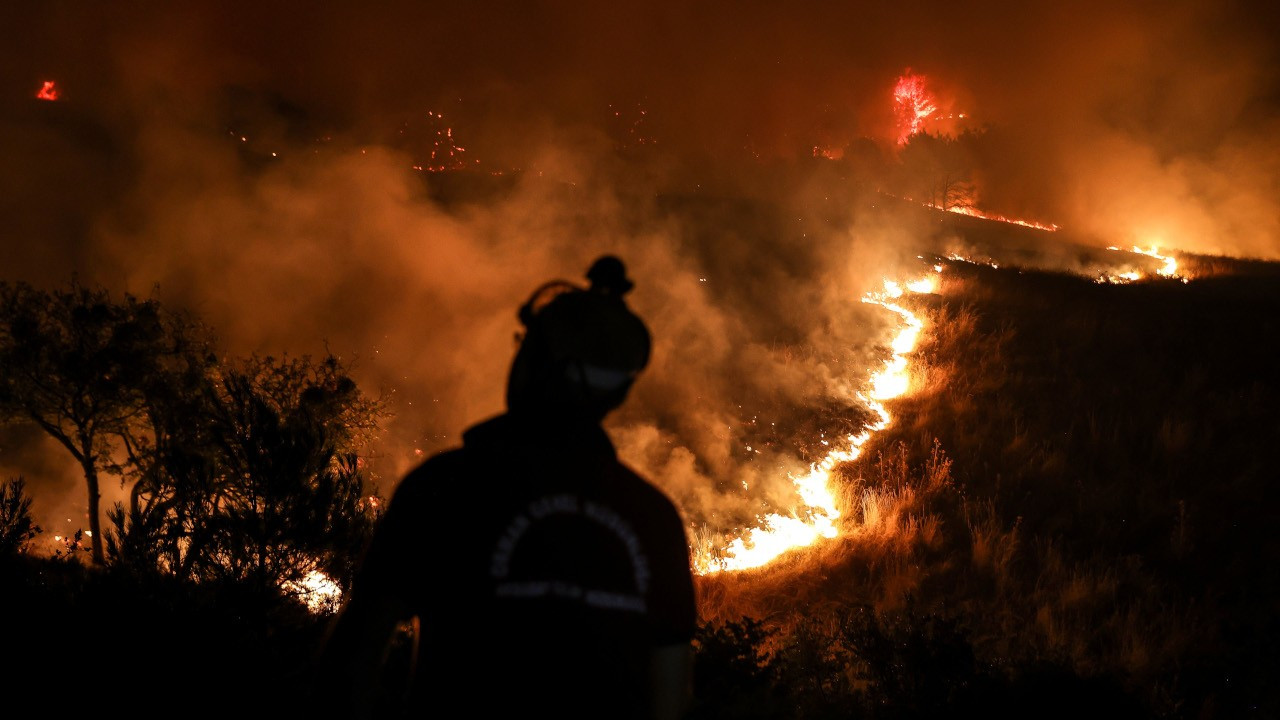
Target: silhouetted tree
{"x": 255, "y": 478}
{"x": 79, "y": 364}
{"x": 938, "y": 170}
{"x": 16, "y": 526}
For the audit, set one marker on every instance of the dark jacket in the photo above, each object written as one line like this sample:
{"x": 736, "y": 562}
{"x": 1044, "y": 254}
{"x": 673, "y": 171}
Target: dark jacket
{"x": 543, "y": 570}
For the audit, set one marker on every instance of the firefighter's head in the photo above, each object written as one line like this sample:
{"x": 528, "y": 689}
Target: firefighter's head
{"x": 582, "y": 348}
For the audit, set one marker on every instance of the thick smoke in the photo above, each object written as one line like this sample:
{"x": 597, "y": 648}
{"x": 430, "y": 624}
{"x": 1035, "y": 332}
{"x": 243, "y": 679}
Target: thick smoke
{"x": 1130, "y": 124}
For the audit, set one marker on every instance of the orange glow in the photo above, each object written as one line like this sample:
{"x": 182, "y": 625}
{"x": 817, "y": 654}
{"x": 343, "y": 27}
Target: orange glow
{"x": 779, "y": 533}
{"x": 48, "y": 91}
{"x": 1168, "y": 270}
{"x": 972, "y": 261}
{"x": 446, "y": 154}
{"x": 1116, "y": 276}
{"x": 912, "y": 103}
{"x": 1119, "y": 278}
{"x": 828, "y": 153}
{"x": 317, "y": 590}
{"x": 1001, "y": 218}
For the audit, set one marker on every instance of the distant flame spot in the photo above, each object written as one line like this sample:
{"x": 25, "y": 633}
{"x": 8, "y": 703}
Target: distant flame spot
{"x": 317, "y": 590}
{"x": 48, "y": 91}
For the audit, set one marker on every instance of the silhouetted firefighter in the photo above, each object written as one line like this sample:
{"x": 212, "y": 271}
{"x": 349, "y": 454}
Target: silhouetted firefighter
{"x": 549, "y": 579}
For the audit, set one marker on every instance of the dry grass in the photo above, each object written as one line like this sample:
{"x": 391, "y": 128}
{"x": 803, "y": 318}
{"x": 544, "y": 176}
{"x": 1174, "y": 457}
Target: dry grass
{"x": 1056, "y": 485}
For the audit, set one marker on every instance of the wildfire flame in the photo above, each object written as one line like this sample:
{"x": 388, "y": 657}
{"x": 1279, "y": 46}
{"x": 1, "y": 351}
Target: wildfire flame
{"x": 317, "y": 590}
{"x": 828, "y": 152}
{"x": 973, "y": 261}
{"x": 1168, "y": 270}
{"x": 781, "y": 533}
{"x": 912, "y": 104}
{"x": 973, "y": 212}
{"x": 48, "y": 91}
{"x": 445, "y": 154}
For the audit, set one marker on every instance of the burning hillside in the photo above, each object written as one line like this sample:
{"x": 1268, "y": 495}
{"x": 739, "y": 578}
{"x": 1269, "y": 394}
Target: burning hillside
{"x": 48, "y": 91}
{"x": 816, "y": 515}
{"x": 958, "y": 369}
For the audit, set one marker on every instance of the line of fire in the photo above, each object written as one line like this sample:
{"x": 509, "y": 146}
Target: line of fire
{"x": 957, "y": 420}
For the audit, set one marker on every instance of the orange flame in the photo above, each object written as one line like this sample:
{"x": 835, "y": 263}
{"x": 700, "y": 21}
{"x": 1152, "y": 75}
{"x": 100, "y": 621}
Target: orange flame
{"x": 1170, "y": 267}
{"x": 48, "y": 91}
{"x": 780, "y": 533}
{"x": 1115, "y": 276}
{"x": 973, "y": 261}
{"x": 972, "y": 212}
{"x": 1168, "y": 270}
{"x": 912, "y": 103}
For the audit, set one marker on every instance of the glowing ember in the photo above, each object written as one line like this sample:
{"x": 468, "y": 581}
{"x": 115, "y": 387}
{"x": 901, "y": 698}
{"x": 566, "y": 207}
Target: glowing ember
{"x": 974, "y": 212}
{"x": 781, "y": 533}
{"x": 445, "y": 153}
{"x": 48, "y": 91}
{"x": 1107, "y": 277}
{"x": 828, "y": 152}
{"x": 972, "y": 261}
{"x": 912, "y": 103}
{"x": 629, "y": 127}
{"x": 1119, "y": 278}
{"x": 317, "y": 590}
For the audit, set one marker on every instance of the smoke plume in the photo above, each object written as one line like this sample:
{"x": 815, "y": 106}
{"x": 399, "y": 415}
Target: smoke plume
{"x": 254, "y": 163}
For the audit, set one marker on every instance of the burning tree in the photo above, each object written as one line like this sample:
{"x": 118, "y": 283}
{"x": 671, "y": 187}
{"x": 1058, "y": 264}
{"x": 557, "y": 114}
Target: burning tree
{"x": 912, "y": 104}
{"x": 81, "y": 366}
{"x": 254, "y": 478}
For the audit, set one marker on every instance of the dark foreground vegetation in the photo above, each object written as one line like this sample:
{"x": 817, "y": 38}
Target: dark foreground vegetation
{"x": 1073, "y": 515}
{"x": 245, "y": 479}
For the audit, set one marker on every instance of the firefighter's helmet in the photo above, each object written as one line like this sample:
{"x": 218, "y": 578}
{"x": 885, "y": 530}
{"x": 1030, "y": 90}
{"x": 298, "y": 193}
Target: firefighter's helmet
{"x": 582, "y": 348}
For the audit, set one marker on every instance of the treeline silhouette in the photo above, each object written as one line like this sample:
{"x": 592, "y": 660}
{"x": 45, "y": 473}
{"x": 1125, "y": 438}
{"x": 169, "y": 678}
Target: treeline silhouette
{"x": 240, "y": 469}
{"x": 245, "y": 479}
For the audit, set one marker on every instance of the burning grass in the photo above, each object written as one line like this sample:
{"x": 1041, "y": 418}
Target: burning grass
{"x": 1085, "y": 494}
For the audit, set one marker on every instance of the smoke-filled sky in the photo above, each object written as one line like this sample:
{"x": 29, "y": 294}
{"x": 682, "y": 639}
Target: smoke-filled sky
{"x": 1124, "y": 122}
